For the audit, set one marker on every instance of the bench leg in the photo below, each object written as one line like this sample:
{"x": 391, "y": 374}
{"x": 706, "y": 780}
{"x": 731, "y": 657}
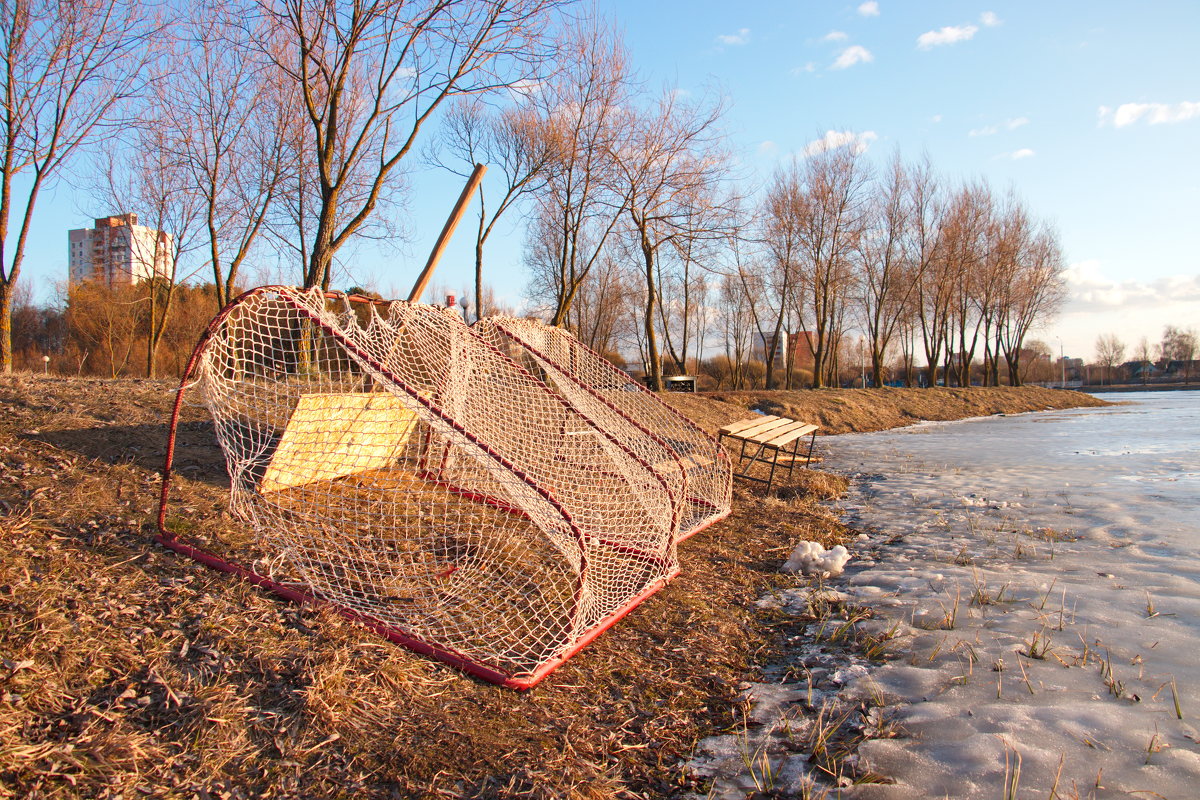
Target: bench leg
{"x": 795, "y": 455}
{"x": 774, "y": 462}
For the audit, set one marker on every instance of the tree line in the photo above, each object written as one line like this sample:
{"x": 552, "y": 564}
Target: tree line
{"x": 277, "y": 131}
{"x": 1173, "y": 355}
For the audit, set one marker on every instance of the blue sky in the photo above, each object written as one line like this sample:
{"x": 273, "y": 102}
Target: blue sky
{"x": 1090, "y": 111}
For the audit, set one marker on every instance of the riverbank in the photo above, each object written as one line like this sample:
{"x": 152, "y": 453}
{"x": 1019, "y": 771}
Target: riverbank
{"x": 864, "y": 410}
{"x": 128, "y": 670}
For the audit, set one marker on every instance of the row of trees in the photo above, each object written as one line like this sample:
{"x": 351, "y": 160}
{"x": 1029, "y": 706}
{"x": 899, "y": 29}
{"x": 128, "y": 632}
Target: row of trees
{"x": 641, "y": 240}
{"x": 275, "y": 130}
{"x": 1177, "y": 348}
{"x": 230, "y": 123}
{"x": 106, "y": 332}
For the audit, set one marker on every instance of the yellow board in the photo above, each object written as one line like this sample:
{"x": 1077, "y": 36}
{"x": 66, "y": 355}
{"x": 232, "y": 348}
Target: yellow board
{"x": 333, "y": 435}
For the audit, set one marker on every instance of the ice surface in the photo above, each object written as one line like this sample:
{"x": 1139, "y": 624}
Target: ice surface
{"x": 1049, "y": 566}
{"x": 1041, "y": 574}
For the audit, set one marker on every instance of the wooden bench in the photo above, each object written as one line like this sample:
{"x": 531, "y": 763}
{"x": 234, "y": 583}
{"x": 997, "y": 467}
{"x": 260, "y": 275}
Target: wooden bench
{"x": 767, "y": 437}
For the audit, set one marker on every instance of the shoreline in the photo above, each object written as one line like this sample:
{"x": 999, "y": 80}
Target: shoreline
{"x": 866, "y": 410}
{"x": 1152, "y": 387}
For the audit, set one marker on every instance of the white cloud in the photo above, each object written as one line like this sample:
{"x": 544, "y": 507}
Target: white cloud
{"x": 832, "y": 140}
{"x": 1007, "y": 125}
{"x": 1098, "y": 304}
{"x": 735, "y": 39}
{"x": 809, "y": 67}
{"x": 936, "y": 118}
{"x": 854, "y": 54}
{"x": 869, "y": 9}
{"x": 1152, "y": 113}
{"x": 990, "y": 19}
{"x": 947, "y": 35}
{"x": 1091, "y": 290}
{"x": 834, "y": 36}
{"x": 524, "y": 89}
{"x": 1015, "y": 155}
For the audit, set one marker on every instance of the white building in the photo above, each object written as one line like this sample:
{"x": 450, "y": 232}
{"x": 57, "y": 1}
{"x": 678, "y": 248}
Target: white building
{"x": 118, "y": 252}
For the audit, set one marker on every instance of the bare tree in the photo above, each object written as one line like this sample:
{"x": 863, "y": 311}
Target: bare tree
{"x": 514, "y": 145}
{"x": 1037, "y": 292}
{"x": 580, "y": 109}
{"x": 599, "y": 314}
{"x": 888, "y": 273}
{"x": 683, "y": 286}
{"x": 1008, "y": 235}
{"x": 157, "y": 185}
{"x": 931, "y": 303}
{"x": 1034, "y": 364}
{"x": 836, "y": 184}
{"x": 782, "y": 219}
{"x": 671, "y": 170}
{"x": 1144, "y": 354}
{"x": 1179, "y": 344}
{"x": 370, "y": 74}
{"x": 1110, "y": 353}
{"x": 739, "y": 311}
{"x": 67, "y": 71}
{"x": 229, "y": 117}
{"x": 964, "y": 246}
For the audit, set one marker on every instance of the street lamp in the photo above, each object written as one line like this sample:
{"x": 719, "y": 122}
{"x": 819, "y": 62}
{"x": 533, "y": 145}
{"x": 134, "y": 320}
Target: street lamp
{"x": 465, "y": 303}
{"x": 1062, "y": 362}
{"x": 862, "y": 360}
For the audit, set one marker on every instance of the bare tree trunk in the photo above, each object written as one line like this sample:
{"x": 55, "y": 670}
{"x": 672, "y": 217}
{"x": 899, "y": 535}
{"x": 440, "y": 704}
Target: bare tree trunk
{"x": 653, "y": 361}
{"x": 480, "y": 237}
{"x": 6, "y": 352}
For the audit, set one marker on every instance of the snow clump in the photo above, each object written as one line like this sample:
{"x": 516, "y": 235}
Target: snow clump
{"x": 810, "y": 558}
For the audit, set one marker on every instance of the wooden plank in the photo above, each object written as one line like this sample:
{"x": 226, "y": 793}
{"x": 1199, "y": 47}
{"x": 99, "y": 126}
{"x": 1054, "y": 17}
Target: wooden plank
{"x": 749, "y": 433}
{"x": 791, "y": 436}
{"x": 696, "y": 461}
{"x": 334, "y": 435}
{"x": 763, "y": 436}
{"x": 738, "y": 427}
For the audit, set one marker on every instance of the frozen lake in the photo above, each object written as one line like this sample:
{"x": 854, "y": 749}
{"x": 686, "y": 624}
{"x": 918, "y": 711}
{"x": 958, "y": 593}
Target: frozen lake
{"x": 1042, "y": 574}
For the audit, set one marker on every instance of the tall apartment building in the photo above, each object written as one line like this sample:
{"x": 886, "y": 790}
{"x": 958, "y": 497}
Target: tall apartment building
{"x": 118, "y": 252}
{"x": 801, "y": 343}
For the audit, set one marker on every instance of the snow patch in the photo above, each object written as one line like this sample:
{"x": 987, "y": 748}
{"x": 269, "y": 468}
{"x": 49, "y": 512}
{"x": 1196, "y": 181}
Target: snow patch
{"x": 811, "y": 559}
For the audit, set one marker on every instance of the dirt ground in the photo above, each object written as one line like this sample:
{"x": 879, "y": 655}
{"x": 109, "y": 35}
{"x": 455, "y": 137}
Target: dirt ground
{"x": 128, "y": 671}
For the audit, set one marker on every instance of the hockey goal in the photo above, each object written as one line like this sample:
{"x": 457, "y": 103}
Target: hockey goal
{"x": 475, "y": 502}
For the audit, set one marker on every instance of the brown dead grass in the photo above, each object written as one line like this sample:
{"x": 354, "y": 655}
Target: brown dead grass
{"x": 859, "y": 410}
{"x": 126, "y": 670}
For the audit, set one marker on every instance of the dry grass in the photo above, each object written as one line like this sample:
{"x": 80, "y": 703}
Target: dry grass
{"x": 857, "y": 410}
{"x": 126, "y": 670}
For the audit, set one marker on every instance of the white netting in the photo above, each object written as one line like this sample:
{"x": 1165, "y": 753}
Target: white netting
{"x": 591, "y": 381}
{"x": 407, "y": 469}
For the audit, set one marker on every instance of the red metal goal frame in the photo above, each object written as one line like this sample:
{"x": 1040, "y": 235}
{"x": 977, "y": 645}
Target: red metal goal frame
{"x": 467, "y": 664}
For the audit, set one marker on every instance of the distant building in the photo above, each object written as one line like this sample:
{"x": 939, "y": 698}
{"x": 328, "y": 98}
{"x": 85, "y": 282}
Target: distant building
{"x": 1071, "y": 367}
{"x": 802, "y": 344}
{"x": 118, "y": 252}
